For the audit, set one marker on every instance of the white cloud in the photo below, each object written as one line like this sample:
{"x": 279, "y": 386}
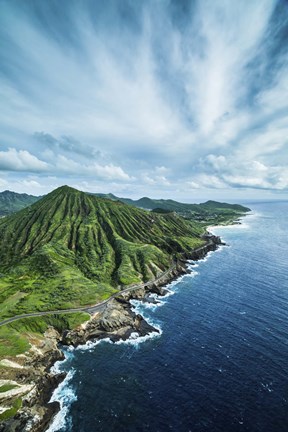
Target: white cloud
{"x": 156, "y": 177}
{"x": 109, "y": 172}
{"x": 202, "y": 100}
{"x": 161, "y": 170}
{"x": 206, "y": 181}
{"x": 106, "y": 172}
{"x": 22, "y": 160}
{"x": 241, "y": 172}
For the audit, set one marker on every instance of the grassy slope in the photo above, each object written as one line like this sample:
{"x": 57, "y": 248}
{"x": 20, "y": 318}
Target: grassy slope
{"x": 15, "y": 337}
{"x": 71, "y": 249}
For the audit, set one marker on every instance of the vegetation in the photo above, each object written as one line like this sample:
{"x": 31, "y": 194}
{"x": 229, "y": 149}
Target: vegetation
{"x": 70, "y": 249}
{"x": 38, "y": 325}
{"x": 204, "y": 213}
{"x": 12, "y": 411}
{"x": 6, "y": 387}
{"x": 11, "y": 202}
{"x": 15, "y": 337}
{"x": 12, "y": 342}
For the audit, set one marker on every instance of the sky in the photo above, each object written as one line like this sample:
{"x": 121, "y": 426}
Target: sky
{"x": 162, "y": 98}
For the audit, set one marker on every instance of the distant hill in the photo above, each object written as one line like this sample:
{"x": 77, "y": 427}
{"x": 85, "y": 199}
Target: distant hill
{"x": 151, "y": 204}
{"x": 219, "y": 205}
{"x": 11, "y": 202}
{"x": 70, "y": 248}
{"x": 202, "y": 211}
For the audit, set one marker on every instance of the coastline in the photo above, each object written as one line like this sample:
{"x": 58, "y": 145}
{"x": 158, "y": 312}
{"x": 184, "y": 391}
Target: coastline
{"x": 117, "y": 321}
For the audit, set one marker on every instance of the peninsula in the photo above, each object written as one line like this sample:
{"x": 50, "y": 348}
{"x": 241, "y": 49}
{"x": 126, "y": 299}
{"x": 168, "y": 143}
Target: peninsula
{"x": 69, "y": 265}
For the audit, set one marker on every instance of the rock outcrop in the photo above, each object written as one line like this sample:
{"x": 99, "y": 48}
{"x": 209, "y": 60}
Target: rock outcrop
{"x": 117, "y": 321}
{"x": 30, "y": 373}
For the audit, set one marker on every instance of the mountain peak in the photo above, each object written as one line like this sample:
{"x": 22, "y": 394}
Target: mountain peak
{"x": 8, "y": 192}
{"x": 65, "y": 188}
{"x": 64, "y": 191}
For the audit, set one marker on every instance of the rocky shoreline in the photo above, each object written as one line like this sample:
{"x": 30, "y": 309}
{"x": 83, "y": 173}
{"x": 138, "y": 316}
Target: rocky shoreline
{"x": 35, "y": 384}
{"x": 116, "y": 321}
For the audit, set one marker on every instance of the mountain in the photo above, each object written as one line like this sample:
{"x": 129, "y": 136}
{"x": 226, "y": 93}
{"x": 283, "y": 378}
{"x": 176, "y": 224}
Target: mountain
{"x": 202, "y": 211}
{"x": 151, "y": 204}
{"x": 71, "y": 248}
{"x": 11, "y": 202}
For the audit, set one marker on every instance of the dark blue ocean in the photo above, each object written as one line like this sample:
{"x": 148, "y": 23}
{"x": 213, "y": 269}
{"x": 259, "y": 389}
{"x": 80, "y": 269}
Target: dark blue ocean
{"x": 221, "y": 361}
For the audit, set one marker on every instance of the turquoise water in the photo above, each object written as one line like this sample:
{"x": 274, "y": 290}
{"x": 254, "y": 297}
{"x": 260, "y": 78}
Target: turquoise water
{"x": 221, "y": 360}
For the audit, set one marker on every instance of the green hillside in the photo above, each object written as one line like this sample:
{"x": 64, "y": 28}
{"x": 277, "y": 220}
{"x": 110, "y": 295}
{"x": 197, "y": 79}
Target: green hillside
{"x": 71, "y": 249}
{"x": 220, "y": 205}
{"x": 152, "y": 204}
{"x": 11, "y": 202}
{"x": 204, "y": 212}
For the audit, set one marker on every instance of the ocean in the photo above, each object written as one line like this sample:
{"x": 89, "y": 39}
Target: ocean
{"x": 220, "y": 362}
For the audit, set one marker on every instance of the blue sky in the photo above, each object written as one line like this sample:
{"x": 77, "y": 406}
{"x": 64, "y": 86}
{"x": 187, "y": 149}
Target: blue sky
{"x": 181, "y": 99}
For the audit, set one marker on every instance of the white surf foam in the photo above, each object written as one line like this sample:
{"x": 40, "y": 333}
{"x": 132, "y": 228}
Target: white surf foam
{"x": 90, "y": 345}
{"x": 135, "y": 340}
{"x": 243, "y": 223}
{"x": 65, "y": 395}
{"x": 172, "y": 287}
{"x": 194, "y": 264}
{"x": 159, "y": 300}
{"x": 58, "y": 366}
{"x": 139, "y": 307}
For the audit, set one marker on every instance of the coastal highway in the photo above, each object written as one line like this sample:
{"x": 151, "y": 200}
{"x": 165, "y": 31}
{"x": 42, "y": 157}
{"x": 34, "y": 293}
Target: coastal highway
{"x": 91, "y": 309}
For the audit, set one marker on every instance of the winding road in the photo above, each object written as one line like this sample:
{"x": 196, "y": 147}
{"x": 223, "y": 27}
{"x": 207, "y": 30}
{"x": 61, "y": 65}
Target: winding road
{"x": 91, "y": 309}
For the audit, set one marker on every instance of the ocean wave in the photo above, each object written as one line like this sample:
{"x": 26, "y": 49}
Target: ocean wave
{"x": 135, "y": 339}
{"x": 139, "y": 308}
{"x": 58, "y": 365}
{"x": 156, "y": 302}
{"x": 90, "y": 345}
{"x": 172, "y": 287}
{"x": 243, "y": 224}
{"x": 194, "y": 264}
{"x": 65, "y": 395}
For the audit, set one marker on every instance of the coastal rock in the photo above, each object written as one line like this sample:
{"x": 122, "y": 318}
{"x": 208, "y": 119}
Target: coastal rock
{"x": 117, "y": 321}
{"x": 136, "y": 294}
{"x": 33, "y": 377}
{"x": 157, "y": 289}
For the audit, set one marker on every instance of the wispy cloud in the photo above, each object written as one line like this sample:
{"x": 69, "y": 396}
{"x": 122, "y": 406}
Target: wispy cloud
{"x": 114, "y": 90}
